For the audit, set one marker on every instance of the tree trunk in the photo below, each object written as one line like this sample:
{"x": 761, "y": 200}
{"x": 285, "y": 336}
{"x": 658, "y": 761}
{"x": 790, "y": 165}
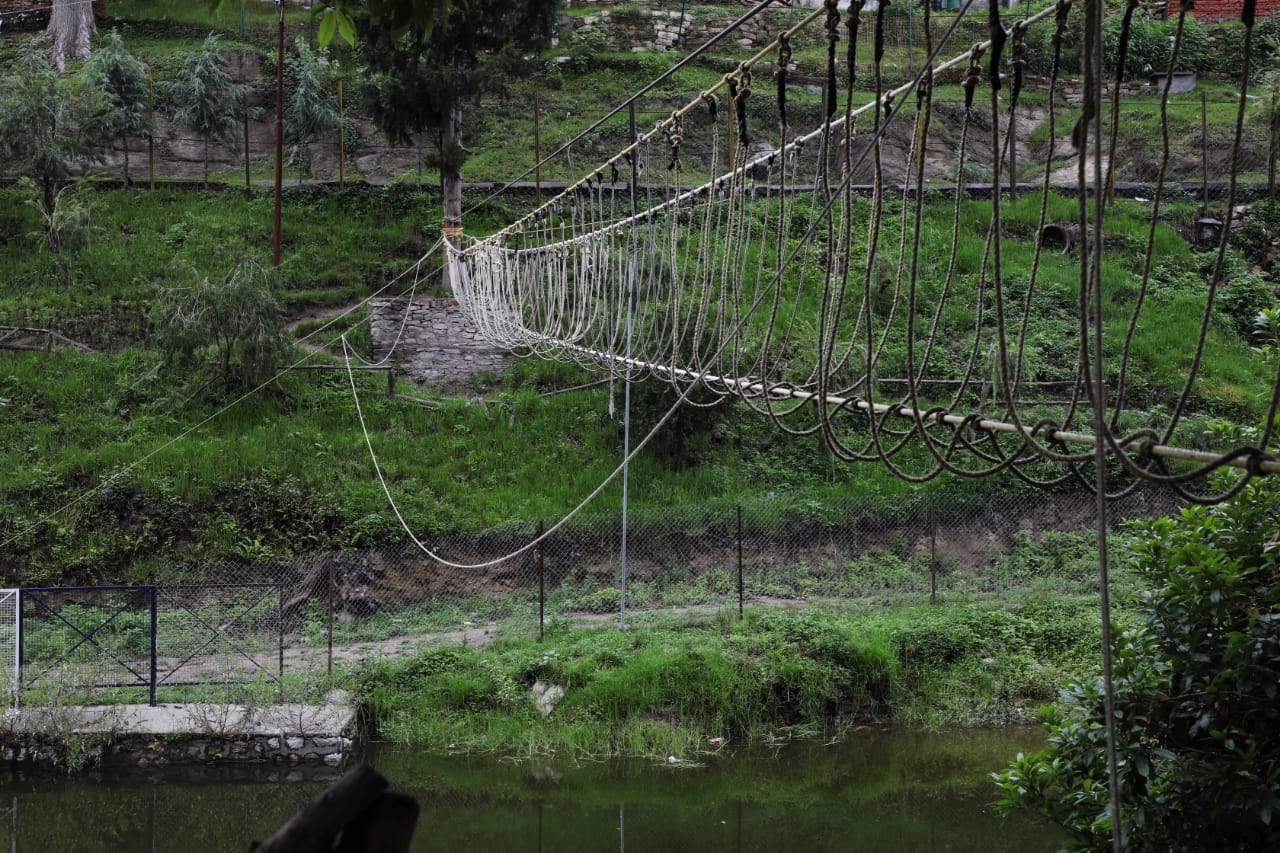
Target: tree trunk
{"x": 124, "y": 140}
{"x": 206, "y": 161}
{"x": 71, "y": 25}
{"x": 451, "y": 180}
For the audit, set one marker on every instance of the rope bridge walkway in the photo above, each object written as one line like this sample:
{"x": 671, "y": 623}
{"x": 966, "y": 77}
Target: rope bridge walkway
{"x": 776, "y": 284}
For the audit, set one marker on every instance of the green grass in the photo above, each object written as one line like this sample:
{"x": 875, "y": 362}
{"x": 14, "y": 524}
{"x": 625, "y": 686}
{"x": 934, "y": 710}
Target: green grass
{"x": 659, "y": 690}
{"x": 286, "y": 471}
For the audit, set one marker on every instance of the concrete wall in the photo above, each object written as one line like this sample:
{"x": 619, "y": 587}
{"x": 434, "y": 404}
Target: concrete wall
{"x": 439, "y": 345}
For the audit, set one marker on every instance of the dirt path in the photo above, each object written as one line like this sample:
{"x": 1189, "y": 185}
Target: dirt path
{"x": 482, "y": 633}
{"x": 311, "y": 316}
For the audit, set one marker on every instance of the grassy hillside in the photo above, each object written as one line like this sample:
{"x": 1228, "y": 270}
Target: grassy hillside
{"x": 285, "y": 471}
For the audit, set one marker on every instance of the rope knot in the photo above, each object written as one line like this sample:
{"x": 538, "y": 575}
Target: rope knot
{"x": 833, "y": 20}
{"x": 972, "y": 77}
{"x": 675, "y": 136}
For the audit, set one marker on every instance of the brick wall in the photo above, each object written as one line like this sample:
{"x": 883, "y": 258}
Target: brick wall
{"x": 1208, "y": 11}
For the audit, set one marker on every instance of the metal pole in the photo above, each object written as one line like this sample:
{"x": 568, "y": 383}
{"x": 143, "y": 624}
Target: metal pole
{"x": 280, "y": 635}
{"x": 279, "y": 132}
{"x": 1095, "y": 13}
{"x": 155, "y": 623}
{"x": 17, "y": 664}
{"x": 329, "y": 667}
{"x": 537, "y": 148}
{"x": 542, "y": 593}
{"x": 739, "y": 562}
{"x": 1204, "y": 152}
{"x": 626, "y": 405}
{"x": 933, "y": 552}
{"x": 342, "y": 141}
{"x": 626, "y": 438}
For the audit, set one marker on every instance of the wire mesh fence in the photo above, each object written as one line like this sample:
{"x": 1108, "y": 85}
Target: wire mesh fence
{"x": 9, "y": 615}
{"x": 204, "y": 631}
{"x": 76, "y": 641}
{"x": 779, "y": 550}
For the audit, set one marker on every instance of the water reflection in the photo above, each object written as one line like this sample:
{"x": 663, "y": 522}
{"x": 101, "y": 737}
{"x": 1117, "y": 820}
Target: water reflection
{"x": 876, "y": 791}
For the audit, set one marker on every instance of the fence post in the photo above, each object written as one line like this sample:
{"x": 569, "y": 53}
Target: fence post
{"x": 933, "y": 550}
{"x": 17, "y": 664}
{"x": 155, "y": 624}
{"x": 280, "y": 634}
{"x": 329, "y": 665}
{"x": 542, "y": 586}
{"x": 1204, "y": 152}
{"x": 739, "y": 562}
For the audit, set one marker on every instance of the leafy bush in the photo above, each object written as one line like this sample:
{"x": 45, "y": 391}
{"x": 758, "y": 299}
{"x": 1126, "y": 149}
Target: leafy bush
{"x": 1197, "y": 716}
{"x": 236, "y": 324}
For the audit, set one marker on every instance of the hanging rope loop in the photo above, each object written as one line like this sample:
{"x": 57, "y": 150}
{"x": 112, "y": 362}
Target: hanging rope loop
{"x": 713, "y": 107}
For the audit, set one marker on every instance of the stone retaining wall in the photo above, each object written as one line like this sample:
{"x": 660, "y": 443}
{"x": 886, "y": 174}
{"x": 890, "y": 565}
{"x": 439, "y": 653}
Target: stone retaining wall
{"x": 439, "y": 344}
{"x": 133, "y": 750}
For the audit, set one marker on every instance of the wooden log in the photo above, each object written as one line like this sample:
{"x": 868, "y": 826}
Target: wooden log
{"x": 316, "y": 826}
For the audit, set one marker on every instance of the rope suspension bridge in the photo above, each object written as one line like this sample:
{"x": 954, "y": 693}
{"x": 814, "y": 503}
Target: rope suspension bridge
{"x": 777, "y": 283}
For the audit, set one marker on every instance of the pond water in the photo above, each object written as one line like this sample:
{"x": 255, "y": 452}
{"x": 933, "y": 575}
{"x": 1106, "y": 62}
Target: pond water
{"x": 874, "y": 791}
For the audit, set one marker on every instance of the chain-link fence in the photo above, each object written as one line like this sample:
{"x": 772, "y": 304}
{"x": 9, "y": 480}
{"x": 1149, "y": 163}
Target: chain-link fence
{"x": 778, "y": 550}
{"x": 73, "y": 645}
{"x": 260, "y": 628}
